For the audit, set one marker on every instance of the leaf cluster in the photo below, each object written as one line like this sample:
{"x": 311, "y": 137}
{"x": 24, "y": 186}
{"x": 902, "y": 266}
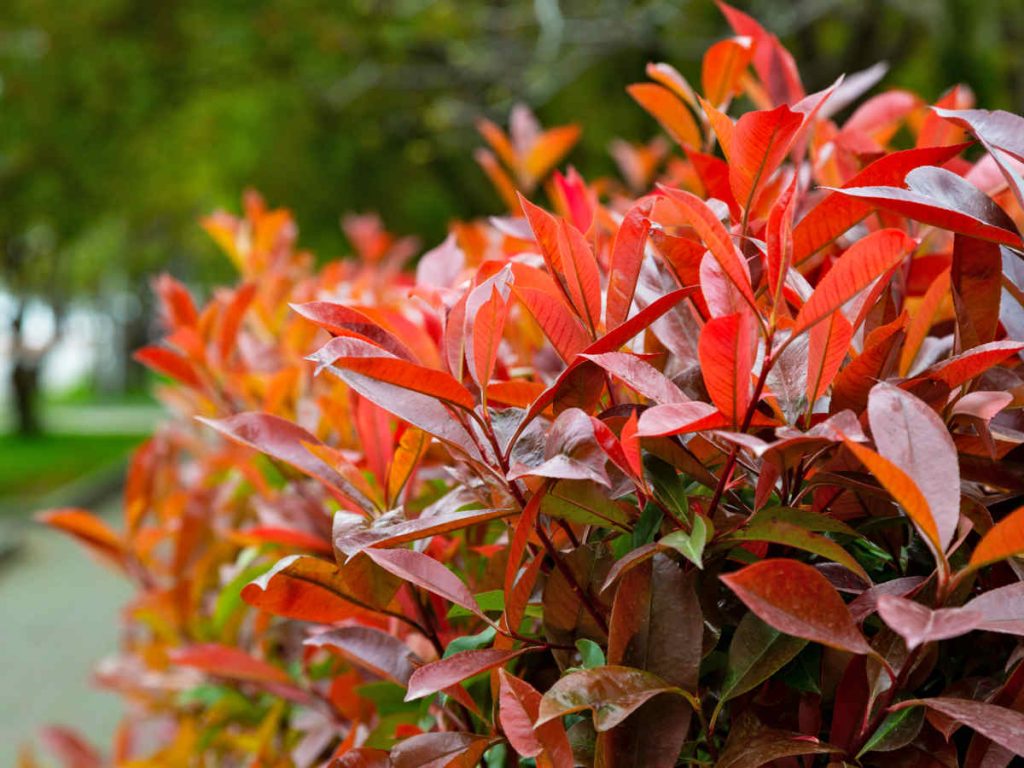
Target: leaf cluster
{"x": 724, "y": 474}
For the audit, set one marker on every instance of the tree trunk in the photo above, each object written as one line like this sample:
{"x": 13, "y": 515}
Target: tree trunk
{"x": 25, "y": 401}
{"x": 24, "y": 380}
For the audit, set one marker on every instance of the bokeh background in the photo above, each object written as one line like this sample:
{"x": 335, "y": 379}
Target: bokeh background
{"x": 123, "y": 121}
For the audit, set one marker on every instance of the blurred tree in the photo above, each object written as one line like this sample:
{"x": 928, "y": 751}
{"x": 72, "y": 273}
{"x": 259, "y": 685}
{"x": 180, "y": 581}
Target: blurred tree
{"x": 122, "y": 120}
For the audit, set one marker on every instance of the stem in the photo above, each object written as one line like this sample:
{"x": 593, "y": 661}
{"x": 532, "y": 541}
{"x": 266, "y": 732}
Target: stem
{"x": 570, "y": 577}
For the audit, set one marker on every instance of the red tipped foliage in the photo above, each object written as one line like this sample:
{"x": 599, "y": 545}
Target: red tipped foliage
{"x": 723, "y": 473}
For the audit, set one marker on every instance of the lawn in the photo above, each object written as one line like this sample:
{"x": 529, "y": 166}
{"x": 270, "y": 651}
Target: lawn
{"x": 37, "y": 465}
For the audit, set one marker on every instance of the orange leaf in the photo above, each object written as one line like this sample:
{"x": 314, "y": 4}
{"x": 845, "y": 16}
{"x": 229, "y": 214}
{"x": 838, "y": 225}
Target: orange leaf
{"x": 1006, "y": 539}
{"x": 921, "y": 320}
{"x": 903, "y": 490}
{"x": 550, "y": 147}
{"x": 671, "y": 113}
{"x": 828, "y": 344}
{"x": 723, "y": 68}
{"x": 89, "y": 530}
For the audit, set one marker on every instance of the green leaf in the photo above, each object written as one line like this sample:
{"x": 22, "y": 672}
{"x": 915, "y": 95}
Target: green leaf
{"x": 647, "y": 525}
{"x": 669, "y": 486}
{"x": 585, "y": 502}
{"x": 803, "y": 673}
{"x": 591, "y": 653}
{"x": 470, "y": 642}
{"x": 805, "y": 518}
{"x": 492, "y": 600}
{"x": 690, "y": 545}
{"x": 778, "y": 531}
{"x": 230, "y": 598}
{"x": 756, "y": 653}
{"x": 897, "y": 730}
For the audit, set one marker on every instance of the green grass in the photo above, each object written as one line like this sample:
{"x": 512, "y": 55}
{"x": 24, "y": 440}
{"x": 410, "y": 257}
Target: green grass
{"x": 37, "y": 465}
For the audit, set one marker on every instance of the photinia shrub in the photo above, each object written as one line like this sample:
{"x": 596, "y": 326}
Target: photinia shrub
{"x": 726, "y": 473}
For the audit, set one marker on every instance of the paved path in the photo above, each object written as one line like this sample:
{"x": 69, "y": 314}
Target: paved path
{"x": 58, "y": 614}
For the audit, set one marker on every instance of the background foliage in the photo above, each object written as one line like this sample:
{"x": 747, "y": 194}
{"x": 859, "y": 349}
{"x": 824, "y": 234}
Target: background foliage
{"x": 124, "y": 120}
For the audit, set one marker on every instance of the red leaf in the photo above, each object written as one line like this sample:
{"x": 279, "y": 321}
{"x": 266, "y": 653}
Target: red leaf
{"x": 861, "y": 264}
{"x": 179, "y": 311}
{"x": 797, "y": 600}
{"x": 288, "y": 537}
{"x": 656, "y": 625}
{"x": 760, "y": 142}
{"x": 774, "y": 64}
{"x": 613, "y": 693}
{"x": 727, "y": 347}
{"x": 420, "y": 410}
{"x": 673, "y": 418}
{"x": 425, "y": 572}
{"x": 169, "y": 363}
{"x": 226, "y": 661}
{"x": 311, "y": 589}
{"x": 285, "y": 441}
{"x": 997, "y": 128}
{"x": 452, "y": 670}
{"x": 548, "y": 149}
{"x": 715, "y": 236}
{"x": 610, "y": 342}
{"x": 876, "y": 362}
{"x": 580, "y": 274}
{"x": 519, "y": 706}
{"x": 370, "y": 360}
{"x": 836, "y": 212}
{"x": 231, "y": 320}
{"x": 70, "y": 748}
{"x": 439, "y": 750}
{"x": 1004, "y": 726}
{"x": 363, "y": 757}
{"x": 968, "y": 365}
{"x": 626, "y": 259}
{"x": 917, "y": 624}
{"x": 639, "y": 376}
{"x": 570, "y": 261}
{"x": 382, "y": 654}
{"x": 901, "y": 424}
{"x": 779, "y": 243}
{"x": 752, "y": 745}
{"x": 389, "y": 531}
{"x": 485, "y": 335}
{"x": 921, "y": 321}
{"x": 976, "y": 277}
{"x": 943, "y": 199}
{"x": 340, "y": 320}
{"x": 1002, "y": 609}
{"x": 545, "y": 302}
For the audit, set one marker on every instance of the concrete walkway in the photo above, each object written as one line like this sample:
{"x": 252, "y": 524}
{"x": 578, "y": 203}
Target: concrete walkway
{"x": 58, "y": 615}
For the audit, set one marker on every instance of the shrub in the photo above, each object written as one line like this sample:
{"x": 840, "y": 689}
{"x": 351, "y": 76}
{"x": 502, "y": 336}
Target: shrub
{"x": 720, "y": 475}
